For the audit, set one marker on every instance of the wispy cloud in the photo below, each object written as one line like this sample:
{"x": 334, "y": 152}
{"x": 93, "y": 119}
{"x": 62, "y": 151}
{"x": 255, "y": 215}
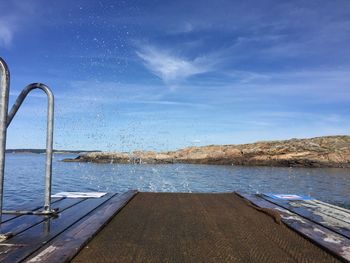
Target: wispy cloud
{"x": 169, "y": 103}
{"x": 170, "y": 67}
{"x": 8, "y": 25}
{"x": 5, "y": 34}
{"x": 14, "y": 14}
{"x": 91, "y": 96}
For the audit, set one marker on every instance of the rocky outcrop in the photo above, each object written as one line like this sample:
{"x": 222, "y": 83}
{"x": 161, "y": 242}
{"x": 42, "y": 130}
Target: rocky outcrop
{"x": 329, "y": 151}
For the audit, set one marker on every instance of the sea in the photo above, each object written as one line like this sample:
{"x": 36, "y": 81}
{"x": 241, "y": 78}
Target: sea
{"x": 24, "y": 179}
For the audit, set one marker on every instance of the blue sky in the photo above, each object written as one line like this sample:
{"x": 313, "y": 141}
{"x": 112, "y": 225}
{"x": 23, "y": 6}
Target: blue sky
{"x": 161, "y": 75}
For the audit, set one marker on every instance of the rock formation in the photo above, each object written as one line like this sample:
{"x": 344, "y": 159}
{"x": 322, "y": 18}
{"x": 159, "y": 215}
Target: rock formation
{"x": 329, "y": 151}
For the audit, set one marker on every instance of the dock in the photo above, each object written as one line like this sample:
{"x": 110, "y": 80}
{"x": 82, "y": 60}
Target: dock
{"x": 179, "y": 227}
{"x": 161, "y": 227}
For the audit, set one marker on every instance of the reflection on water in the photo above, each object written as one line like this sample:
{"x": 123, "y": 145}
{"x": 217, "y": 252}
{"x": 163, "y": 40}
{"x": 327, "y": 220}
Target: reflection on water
{"x": 24, "y": 179}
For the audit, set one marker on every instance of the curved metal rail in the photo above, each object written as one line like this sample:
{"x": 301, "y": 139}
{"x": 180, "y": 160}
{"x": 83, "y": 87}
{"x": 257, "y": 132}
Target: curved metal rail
{"x": 49, "y": 135}
{"x": 5, "y": 121}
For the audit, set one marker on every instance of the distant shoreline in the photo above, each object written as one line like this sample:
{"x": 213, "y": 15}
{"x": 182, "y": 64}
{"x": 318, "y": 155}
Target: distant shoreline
{"x": 40, "y": 151}
{"x": 327, "y": 151}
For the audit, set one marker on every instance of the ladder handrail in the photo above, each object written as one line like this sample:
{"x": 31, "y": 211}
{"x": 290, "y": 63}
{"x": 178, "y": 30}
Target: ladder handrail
{"x": 6, "y": 120}
{"x": 49, "y": 135}
{"x": 4, "y": 100}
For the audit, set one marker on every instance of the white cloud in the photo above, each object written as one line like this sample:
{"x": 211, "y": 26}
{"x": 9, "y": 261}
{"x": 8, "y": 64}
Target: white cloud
{"x": 171, "y": 68}
{"x": 14, "y": 15}
{"x": 6, "y": 34}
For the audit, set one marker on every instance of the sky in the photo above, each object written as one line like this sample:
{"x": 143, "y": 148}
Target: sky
{"x": 162, "y": 75}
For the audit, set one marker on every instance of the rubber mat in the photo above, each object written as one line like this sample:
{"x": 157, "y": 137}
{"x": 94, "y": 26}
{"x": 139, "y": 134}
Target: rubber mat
{"x": 182, "y": 227}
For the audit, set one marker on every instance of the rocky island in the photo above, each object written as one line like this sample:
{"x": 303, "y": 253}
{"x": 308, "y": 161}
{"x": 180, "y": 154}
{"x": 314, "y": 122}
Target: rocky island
{"x": 328, "y": 151}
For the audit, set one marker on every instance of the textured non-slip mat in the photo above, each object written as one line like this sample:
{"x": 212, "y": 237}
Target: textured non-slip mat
{"x": 181, "y": 227}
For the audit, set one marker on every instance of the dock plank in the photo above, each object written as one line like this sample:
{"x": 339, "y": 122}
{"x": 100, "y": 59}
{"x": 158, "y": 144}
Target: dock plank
{"x": 36, "y": 205}
{"x": 333, "y": 206}
{"x": 345, "y": 213}
{"x": 22, "y": 223}
{"x": 335, "y": 220}
{"x": 81, "y": 232}
{"x": 333, "y": 242}
{"x": 24, "y": 244}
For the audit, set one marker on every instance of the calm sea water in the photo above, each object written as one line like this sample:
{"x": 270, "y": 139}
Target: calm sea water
{"x": 24, "y": 179}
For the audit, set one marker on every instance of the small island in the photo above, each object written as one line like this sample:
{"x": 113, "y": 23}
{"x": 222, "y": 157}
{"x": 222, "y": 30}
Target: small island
{"x": 328, "y": 151}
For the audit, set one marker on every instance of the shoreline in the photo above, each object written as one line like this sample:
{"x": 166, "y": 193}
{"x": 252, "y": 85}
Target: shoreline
{"x": 327, "y": 151}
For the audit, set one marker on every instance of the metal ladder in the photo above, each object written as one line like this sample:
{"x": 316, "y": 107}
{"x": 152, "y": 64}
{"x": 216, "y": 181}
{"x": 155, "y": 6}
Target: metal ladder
{"x": 5, "y": 121}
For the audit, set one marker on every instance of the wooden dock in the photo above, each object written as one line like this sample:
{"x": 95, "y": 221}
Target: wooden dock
{"x": 57, "y": 239}
{"x": 180, "y": 227}
{"x": 326, "y": 225}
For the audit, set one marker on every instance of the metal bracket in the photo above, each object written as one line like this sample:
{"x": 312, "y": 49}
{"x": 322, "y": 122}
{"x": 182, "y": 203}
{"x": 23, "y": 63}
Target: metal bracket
{"x": 52, "y": 212}
{"x": 5, "y": 236}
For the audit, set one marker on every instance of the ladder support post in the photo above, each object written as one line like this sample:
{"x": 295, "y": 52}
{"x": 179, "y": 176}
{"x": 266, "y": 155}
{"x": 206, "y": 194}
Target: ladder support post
{"x": 49, "y": 150}
{"x": 4, "y": 99}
